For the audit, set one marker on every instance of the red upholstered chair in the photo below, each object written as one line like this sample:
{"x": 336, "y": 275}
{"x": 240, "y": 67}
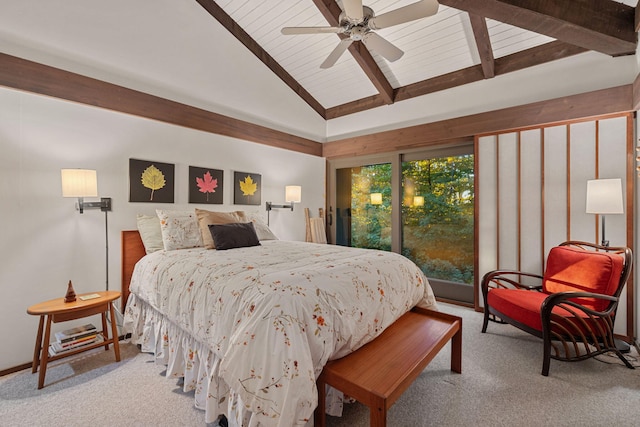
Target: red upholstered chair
{"x": 572, "y": 307}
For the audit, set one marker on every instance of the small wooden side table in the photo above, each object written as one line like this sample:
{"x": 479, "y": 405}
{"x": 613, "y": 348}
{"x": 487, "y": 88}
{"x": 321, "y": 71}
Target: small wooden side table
{"x": 56, "y": 310}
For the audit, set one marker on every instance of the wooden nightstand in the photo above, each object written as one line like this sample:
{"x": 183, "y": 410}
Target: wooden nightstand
{"x": 56, "y": 310}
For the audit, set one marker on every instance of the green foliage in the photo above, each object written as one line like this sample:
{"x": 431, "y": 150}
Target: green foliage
{"x": 437, "y": 235}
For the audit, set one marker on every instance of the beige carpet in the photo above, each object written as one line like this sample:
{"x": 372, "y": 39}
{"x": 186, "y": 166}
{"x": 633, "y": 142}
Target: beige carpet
{"x": 500, "y": 385}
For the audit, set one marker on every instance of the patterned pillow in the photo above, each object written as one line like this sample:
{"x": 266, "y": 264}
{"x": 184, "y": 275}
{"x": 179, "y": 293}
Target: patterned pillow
{"x": 206, "y": 218}
{"x": 179, "y": 229}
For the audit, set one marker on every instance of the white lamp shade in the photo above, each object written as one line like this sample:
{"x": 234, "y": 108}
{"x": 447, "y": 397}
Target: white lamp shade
{"x": 293, "y": 193}
{"x": 79, "y": 183}
{"x": 418, "y": 200}
{"x": 604, "y": 196}
{"x": 376, "y": 198}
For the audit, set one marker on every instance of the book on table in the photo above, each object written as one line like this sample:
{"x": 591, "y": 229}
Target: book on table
{"x": 76, "y": 333}
{"x": 56, "y": 348}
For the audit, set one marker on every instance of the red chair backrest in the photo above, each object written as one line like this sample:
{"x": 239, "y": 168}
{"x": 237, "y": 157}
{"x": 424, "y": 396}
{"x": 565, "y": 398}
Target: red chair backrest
{"x": 580, "y": 270}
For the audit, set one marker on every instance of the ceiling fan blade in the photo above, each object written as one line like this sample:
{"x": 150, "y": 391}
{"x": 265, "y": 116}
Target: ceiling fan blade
{"x": 353, "y": 10}
{"x": 382, "y": 46}
{"x": 336, "y": 53}
{"x": 310, "y": 30}
{"x": 417, "y": 10}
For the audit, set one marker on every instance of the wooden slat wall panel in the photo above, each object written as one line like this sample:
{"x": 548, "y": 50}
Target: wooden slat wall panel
{"x": 555, "y": 187}
{"x": 532, "y": 194}
{"x": 530, "y": 200}
{"x": 508, "y": 201}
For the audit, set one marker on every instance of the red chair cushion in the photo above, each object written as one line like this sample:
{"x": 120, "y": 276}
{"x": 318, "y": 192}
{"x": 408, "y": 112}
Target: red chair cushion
{"x": 520, "y": 305}
{"x": 525, "y": 306}
{"x": 578, "y": 270}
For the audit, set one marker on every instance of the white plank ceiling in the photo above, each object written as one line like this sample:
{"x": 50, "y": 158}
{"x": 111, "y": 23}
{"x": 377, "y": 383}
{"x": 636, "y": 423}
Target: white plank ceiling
{"x": 433, "y": 46}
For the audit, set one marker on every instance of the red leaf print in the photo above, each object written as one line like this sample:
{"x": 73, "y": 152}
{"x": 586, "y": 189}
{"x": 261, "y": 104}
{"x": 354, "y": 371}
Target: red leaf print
{"x": 207, "y": 185}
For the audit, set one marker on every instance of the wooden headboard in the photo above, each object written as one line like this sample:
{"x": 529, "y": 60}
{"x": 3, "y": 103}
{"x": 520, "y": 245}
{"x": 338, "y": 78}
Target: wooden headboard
{"x": 132, "y": 250}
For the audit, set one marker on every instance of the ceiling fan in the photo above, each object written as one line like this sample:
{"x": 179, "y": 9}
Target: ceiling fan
{"x": 358, "y": 22}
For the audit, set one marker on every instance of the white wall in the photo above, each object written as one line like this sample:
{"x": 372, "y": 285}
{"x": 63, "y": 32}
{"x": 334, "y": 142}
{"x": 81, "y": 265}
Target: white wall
{"x": 45, "y": 242}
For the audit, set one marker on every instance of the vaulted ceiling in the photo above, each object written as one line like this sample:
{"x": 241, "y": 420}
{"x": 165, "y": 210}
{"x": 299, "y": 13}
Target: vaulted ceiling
{"x": 464, "y": 42}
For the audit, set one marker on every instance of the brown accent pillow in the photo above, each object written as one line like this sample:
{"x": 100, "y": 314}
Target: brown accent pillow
{"x": 206, "y": 218}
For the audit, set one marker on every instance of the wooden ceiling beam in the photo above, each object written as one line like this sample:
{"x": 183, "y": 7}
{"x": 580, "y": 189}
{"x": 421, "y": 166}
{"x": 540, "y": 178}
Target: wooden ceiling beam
{"x": 28, "y": 76}
{"x": 612, "y": 101}
{"x": 602, "y": 25}
{"x": 483, "y": 44}
{"x": 232, "y": 26}
{"x": 514, "y": 62}
{"x": 331, "y": 12}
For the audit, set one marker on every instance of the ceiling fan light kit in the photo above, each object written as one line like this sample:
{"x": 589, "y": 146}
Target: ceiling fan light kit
{"x": 358, "y": 22}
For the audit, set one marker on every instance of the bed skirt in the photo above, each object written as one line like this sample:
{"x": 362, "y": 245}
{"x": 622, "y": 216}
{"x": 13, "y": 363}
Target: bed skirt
{"x": 187, "y": 358}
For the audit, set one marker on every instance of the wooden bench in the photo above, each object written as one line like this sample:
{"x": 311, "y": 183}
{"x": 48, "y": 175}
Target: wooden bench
{"x": 379, "y": 372}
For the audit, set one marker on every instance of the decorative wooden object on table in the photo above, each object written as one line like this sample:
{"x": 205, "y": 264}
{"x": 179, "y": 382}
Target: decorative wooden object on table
{"x": 57, "y": 310}
{"x": 379, "y": 372}
{"x": 71, "y": 294}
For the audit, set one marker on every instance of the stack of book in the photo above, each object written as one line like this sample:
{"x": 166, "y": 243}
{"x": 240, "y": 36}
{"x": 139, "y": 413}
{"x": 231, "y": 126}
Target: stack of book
{"x": 74, "y": 338}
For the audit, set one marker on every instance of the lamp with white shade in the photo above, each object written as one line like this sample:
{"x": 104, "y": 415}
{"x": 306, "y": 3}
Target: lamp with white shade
{"x": 604, "y": 197}
{"x": 81, "y": 183}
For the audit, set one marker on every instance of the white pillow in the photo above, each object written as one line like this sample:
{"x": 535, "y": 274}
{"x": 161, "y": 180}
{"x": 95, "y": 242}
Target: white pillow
{"x": 179, "y": 229}
{"x": 150, "y": 233}
{"x": 262, "y": 229}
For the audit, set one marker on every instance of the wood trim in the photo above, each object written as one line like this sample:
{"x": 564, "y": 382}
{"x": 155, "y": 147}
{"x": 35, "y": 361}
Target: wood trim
{"x": 568, "y": 178}
{"x": 631, "y": 214}
{"x": 21, "y": 74}
{"x": 476, "y": 223}
{"x": 519, "y": 196}
{"x": 498, "y": 253}
{"x": 542, "y": 200}
{"x": 556, "y": 111}
{"x": 596, "y": 217}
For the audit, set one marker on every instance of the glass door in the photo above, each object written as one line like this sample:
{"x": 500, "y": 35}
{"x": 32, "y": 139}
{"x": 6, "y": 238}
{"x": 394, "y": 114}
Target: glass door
{"x": 419, "y": 204}
{"x": 363, "y": 206}
{"x": 438, "y": 221}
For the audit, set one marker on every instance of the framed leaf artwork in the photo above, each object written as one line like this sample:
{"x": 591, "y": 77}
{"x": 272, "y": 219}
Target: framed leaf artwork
{"x": 150, "y": 181}
{"x": 205, "y": 185}
{"x": 247, "y": 188}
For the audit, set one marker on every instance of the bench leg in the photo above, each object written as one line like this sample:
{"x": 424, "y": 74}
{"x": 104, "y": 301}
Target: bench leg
{"x": 378, "y": 414}
{"x": 456, "y": 351}
{"x": 319, "y": 414}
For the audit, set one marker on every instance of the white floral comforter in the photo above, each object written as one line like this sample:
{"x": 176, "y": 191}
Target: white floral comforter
{"x": 251, "y": 328}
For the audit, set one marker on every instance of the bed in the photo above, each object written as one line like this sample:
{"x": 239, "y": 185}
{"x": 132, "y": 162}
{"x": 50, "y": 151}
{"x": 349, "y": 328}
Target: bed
{"x": 250, "y": 329}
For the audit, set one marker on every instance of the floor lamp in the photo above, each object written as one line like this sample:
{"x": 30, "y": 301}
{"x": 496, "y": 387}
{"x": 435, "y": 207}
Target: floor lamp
{"x": 604, "y": 197}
